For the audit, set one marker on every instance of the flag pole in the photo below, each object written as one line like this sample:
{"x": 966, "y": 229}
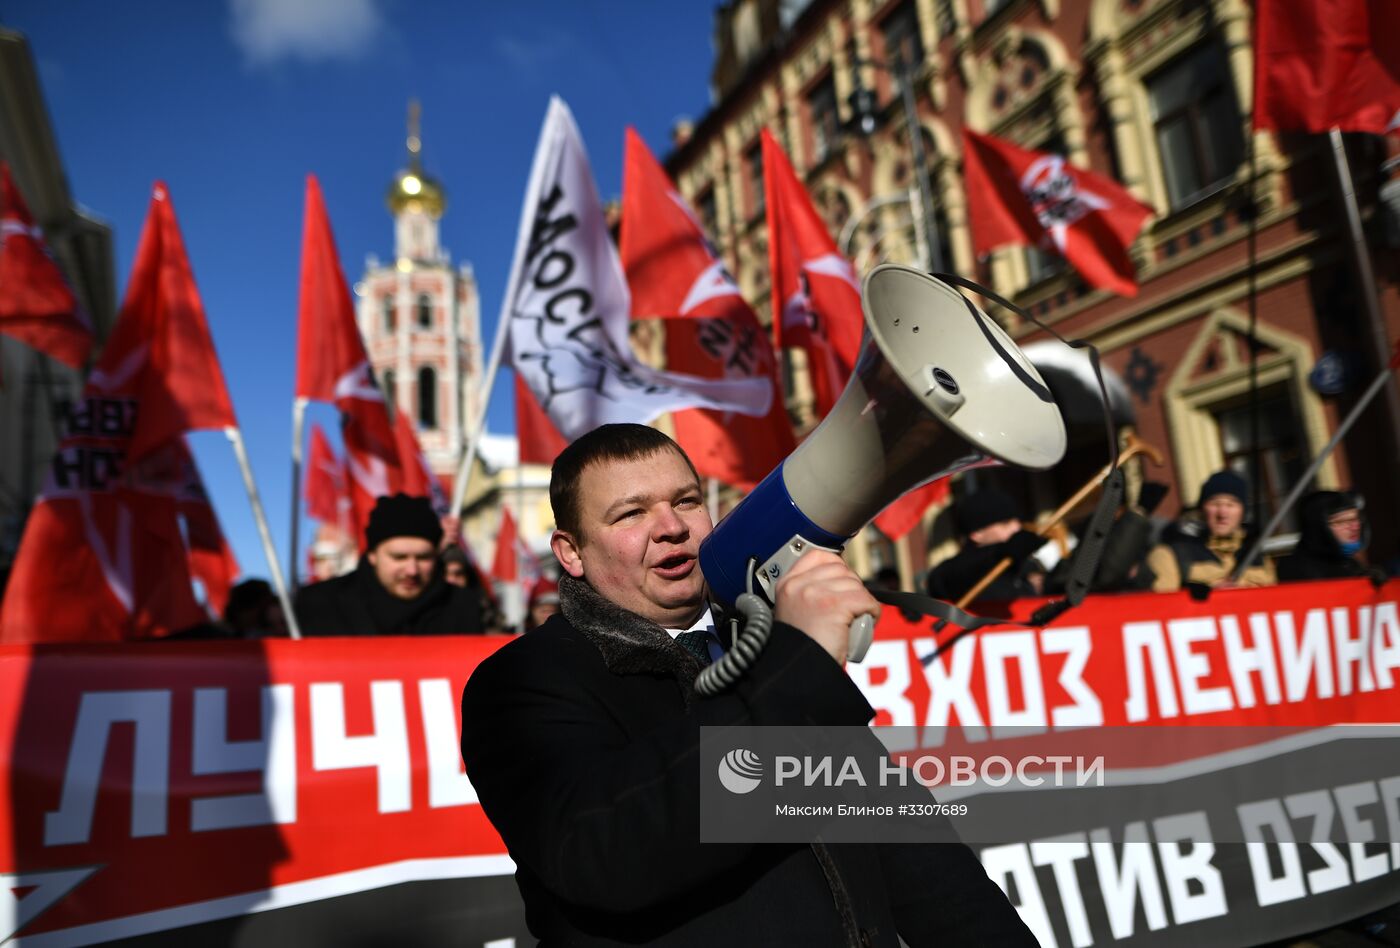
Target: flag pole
{"x": 298, "y": 427}
{"x": 464, "y": 471}
{"x": 1366, "y": 276}
{"x": 1376, "y": 385}
{"x": 520, "y": 537}
{"x": 235, "y": 437}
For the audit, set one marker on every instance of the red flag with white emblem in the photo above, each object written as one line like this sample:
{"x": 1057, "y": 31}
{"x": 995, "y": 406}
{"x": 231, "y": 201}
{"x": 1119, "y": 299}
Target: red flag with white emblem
{"x": 333, "y": 366}
{"x": 674, "y": 273}
{"x": 104, "y": 555}
{"x": 1038, "y": 199}
{"x": 37, "y": 306}
{"x": 816, "y": 297}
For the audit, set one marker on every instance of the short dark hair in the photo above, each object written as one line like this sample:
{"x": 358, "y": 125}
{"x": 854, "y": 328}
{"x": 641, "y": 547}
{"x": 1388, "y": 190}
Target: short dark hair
{"x": 621, "y": 442}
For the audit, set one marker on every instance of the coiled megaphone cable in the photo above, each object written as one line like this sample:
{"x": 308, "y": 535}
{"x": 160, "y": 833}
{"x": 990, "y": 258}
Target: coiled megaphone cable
{"x": 748, "y": 644}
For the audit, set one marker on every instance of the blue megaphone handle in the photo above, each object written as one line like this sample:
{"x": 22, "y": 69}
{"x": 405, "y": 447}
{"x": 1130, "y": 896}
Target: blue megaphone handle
{"x": 756, "y": 529}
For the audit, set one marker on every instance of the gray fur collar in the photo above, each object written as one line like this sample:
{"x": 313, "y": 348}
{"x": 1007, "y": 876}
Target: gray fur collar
{"x": 630, "y": 645}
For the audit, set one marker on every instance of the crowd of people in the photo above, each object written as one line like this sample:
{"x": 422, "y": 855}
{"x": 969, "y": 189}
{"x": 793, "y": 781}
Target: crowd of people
{"x": 1199, "y": 551}
{"x": 415, "y": 578}
{"x": 595, "y": 705}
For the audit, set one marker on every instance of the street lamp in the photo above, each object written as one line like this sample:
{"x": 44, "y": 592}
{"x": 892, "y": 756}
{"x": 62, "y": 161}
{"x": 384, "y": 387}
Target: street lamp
{"x": 862, "y": 102}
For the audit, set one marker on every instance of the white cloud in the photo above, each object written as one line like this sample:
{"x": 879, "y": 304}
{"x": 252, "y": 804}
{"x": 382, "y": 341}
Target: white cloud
{"x": 311, "y": 30}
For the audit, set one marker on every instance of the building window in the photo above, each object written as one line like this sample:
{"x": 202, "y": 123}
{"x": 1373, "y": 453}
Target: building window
{"x": 753, "y": 161}
{"x": 902, "y": 40}
{"x": 1197, "y": 123}
{"x": 427, "y": 397}
{"x": 1282, "y": 457}
{"x": 390, "y": 392}
{"x": 390, "y": 321}
{"x": 821, "y": 113}
{"x": 709, "y": 213}
{"x": 425, "y": 311}
{"x": 1042, "y": 264}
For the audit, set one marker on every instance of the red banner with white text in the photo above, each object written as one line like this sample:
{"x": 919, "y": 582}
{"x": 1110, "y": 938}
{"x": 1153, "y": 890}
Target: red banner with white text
{"x": 157, "y": 786}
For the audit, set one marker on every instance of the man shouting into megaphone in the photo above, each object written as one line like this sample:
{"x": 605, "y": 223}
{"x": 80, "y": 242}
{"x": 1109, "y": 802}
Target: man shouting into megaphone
{"x": 582, "y": 739}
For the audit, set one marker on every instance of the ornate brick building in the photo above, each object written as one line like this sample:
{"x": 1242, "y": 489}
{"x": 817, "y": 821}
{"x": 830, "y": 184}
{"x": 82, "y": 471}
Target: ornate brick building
{"x": 1248, "y": 233}
{"x": 420, "y": 316}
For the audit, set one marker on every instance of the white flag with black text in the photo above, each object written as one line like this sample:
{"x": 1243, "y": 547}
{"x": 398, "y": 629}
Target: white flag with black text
{"x": 567, "y": 306}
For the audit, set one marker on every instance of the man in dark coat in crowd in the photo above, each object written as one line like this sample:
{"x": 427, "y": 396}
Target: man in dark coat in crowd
{"x": 1333, "y": 531}
{"x": 397, "y": 588}
{"x": 991, "y": 527}
{"x": 582, "y": 739}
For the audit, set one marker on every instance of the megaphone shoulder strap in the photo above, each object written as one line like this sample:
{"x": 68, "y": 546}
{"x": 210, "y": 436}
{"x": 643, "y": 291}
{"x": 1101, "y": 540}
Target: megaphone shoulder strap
{"x": 1086, "y": 560}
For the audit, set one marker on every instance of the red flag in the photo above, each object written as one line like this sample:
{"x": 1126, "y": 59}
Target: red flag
{"x": 211, "y": 560}
{"x": 674, "y": 272}
{"x": 506, "y": 565}
{"x": 163, "y": 335}
{"x": 540, "y": 442}
{"x": 1322, "y": 64}
{"x": 900, "y": 517}
{"x": 1038, "y": 199}
{"x": 325, "y": 489}
{"x": 332, "y": 365}
{"x": 104, "y": 556}
{"x": 418, "y": 478}
{"x": 816, "y": 297}
{"x": 37, "y": 306}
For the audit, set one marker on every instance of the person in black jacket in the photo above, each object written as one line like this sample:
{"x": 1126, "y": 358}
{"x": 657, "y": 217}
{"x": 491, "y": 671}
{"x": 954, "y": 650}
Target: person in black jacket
{"x": 582, "y": 739}
{"x": 1333, "y": 531}
{"x": 992, "y": 531}
{"x": 397, "y": 588}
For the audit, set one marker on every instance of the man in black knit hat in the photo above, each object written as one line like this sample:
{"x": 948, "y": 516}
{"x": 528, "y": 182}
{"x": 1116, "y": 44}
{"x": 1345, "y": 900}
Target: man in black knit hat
{"x": 992, "y": 530}
{"x": 397, "y": 589}
{"x": 1199, "y": 551}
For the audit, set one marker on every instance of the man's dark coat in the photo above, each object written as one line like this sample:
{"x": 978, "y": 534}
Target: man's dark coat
{"x": 582, "y": 739}
{"x": 356, "y": 604}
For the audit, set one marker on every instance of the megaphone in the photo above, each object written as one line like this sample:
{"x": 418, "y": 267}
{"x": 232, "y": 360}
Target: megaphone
{"x": 938, "y": 388}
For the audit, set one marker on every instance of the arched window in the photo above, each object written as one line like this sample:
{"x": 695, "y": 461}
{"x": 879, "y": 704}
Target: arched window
{"x": 425, "y": 311}
{"x": 427, "y": 397}
{"x": 389, "y": 320}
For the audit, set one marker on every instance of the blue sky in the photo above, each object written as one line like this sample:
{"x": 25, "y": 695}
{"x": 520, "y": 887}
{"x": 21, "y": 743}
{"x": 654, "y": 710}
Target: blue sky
{"x": 233, "y": 102}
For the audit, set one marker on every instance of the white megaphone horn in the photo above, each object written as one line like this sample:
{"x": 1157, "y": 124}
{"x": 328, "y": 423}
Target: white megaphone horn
{"x": 938, "y": 388}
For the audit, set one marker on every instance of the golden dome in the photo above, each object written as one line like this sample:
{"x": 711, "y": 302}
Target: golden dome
{"x": 412, "y": 190}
